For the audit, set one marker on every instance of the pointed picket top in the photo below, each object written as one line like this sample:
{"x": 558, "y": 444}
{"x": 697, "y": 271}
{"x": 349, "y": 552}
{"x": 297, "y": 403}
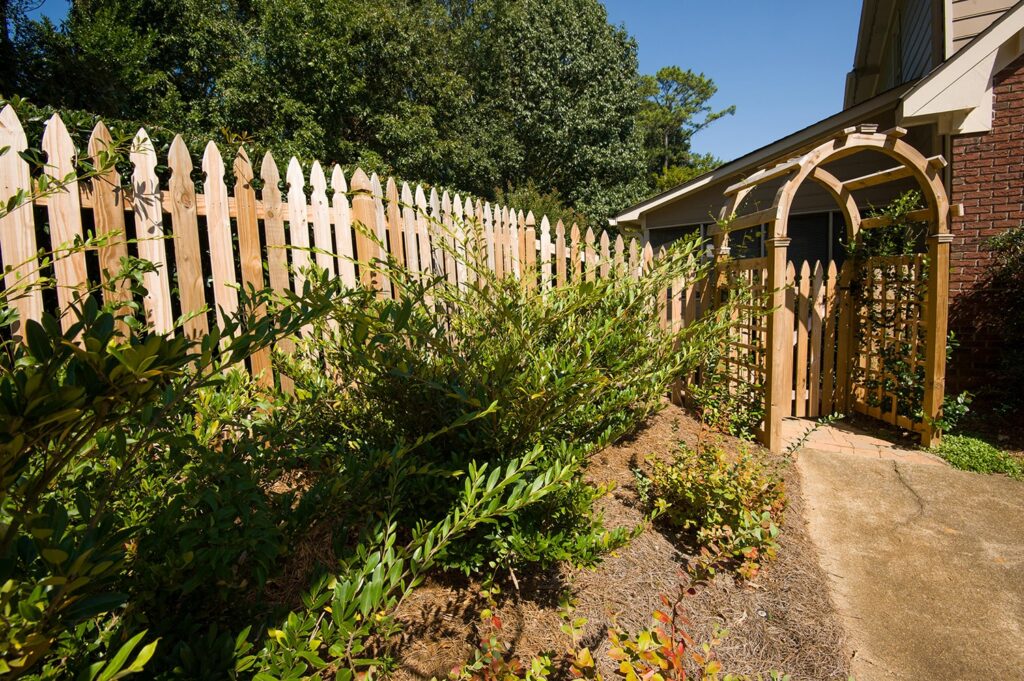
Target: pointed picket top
{"x": 338, "y": 183}
{"x": 317, "y": 179}
{"x": 469, "y": 210}
{"x": 59, "y": 148}
{"x": 435, "y": 202}
{"x": 446, "y": 203}
{"x": 832, "y": 271}
{"x": 17, "y": 228}
{"x": 360, "y": 182}
{"x": 101, "y": 140}
{"x": 457, "y": 206}
{"x": 178, "y": 157}
{"x": 560, "y": 229}
{"x": 620, "y": 253}
{"x": 648, "y": 256}
{"x": 10, "y": 124}
{"x": 243, "y": 167}
{"x": 634, "y": 258}
{"x": 268, "y": 170}
{"x": 530, "y": 220}
{"x": 212, "y": 160}
{"x": 805, "y": 272}
{"x": 488, "y": 215}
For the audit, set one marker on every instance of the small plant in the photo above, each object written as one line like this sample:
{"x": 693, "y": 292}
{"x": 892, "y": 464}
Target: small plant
{"x": 665, "y": 651}
{"x": 732, "y": 507}
{"x": 972, "y": 454}
{"x": 798, "y": 443}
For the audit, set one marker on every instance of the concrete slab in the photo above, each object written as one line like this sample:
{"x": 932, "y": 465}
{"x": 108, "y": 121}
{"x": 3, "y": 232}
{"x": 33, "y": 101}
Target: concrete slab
{"x": 926, "y": 563}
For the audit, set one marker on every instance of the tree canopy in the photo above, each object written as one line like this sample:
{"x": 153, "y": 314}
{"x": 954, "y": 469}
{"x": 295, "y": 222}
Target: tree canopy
{"x": 478, "y": 95}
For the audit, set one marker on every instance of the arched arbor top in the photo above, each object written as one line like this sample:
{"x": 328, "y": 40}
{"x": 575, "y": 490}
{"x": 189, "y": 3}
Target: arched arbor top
{"x": 910, "y": 163}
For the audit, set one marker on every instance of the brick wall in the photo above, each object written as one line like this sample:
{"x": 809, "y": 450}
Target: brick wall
{"x": 988, "y": 179}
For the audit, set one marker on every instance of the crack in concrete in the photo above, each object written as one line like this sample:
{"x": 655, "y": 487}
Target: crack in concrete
{"x": 917, "y": 497}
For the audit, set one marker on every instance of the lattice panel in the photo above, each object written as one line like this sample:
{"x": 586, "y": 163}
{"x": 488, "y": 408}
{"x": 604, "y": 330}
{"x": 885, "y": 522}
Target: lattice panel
{"x": 888, "y": 371}
{"x": 746, "y": 357}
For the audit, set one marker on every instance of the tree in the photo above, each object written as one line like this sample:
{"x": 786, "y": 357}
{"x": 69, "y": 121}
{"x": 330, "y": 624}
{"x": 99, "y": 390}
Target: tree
{"x": 677, "y": 106}
{"x": 474, "y": 95}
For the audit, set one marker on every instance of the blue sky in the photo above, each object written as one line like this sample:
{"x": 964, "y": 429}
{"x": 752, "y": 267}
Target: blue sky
{"x": 783, "y": 63}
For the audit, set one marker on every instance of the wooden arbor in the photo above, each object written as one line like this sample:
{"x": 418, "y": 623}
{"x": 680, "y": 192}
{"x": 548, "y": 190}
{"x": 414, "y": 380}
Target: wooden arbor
{"x": 778, "y": 328}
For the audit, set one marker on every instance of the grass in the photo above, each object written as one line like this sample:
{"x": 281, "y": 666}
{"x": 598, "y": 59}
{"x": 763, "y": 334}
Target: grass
{"x": 973, "y": 454}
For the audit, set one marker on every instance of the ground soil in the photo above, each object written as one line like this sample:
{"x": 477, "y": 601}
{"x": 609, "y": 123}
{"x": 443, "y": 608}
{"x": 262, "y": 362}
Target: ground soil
{"x": 784, "y": 620}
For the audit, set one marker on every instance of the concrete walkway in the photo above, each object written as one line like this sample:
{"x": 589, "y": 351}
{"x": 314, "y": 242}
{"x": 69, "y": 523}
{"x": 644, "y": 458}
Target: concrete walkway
{"x": 926, "y": 563}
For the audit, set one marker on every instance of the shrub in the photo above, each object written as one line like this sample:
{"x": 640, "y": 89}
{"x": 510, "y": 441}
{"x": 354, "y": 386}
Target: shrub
{"x": 566, "y": 371}
{"x": 731, "y": 506}
{"x": 141, "y": 475}
{"x": 971, "y": 454}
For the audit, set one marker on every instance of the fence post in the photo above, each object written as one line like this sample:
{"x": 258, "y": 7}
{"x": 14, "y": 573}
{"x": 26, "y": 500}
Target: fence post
{"x": 779, "y": 341}
{"x": 936, "y": 323}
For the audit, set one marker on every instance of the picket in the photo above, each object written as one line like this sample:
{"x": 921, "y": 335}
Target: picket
{"x": 545, "y": 252}
{"x": 829, "y": 353}
{"x": 619, "y": 261}
{"x": 530, "y": 252}
{"x": 408, "y": 211}
{"x": 802, "y": 303}
{"x": 364, "y": 219}
{"x": 560, "y": 254}
{"x": 817, "y": 304}
{"x": 273, "y": 224}
{"x": 590, "y": 255}
{"x": 17, "y": 228}
{"x": 187, "y": 249}
{"x": 575, "y": 267}
{"x": 342, "y": 219}
{"x": 298, "y": 227}
{"x": 324, "y": 253}
{"x": 605, "y": 255}
{"x": 65, "y": 213}
{"x": 108, "y": 220}
{"x": 396, "y": 243}
{"x": 250, "y": 254}
{"x": 149, "y": 230}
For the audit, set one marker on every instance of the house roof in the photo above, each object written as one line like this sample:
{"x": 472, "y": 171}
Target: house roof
{"x": 786, "y": 145}
{"x": 956, "y": 95}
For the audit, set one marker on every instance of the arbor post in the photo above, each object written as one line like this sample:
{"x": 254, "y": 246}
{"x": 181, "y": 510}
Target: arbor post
{"x": 936, "y": 328}
{"x": 779, "y": 341}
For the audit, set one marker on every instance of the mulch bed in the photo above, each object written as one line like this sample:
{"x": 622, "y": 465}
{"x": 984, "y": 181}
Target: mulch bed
{"x": 783, "y": 620}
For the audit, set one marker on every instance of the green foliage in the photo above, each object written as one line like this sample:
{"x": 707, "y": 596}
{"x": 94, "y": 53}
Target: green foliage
{"x": 472, "y": 95}
{"x": 567, "y": 371}
{"x": 677, "y": 107}
{"x": 972, "y": 454}
{"x": 529, "y": 198}
{"x": 446, "y": 429}
{"x": 902, "y": 236}
{"x": 731, "y": 506}
{"x": 695, "y": 166}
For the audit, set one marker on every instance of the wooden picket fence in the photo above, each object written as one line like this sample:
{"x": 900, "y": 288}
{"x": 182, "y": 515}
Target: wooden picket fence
{"x": 204, "y": 244}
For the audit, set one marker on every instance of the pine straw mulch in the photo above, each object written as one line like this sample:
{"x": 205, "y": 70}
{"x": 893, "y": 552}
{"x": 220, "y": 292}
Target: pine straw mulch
{"x": 784, "y": 620}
